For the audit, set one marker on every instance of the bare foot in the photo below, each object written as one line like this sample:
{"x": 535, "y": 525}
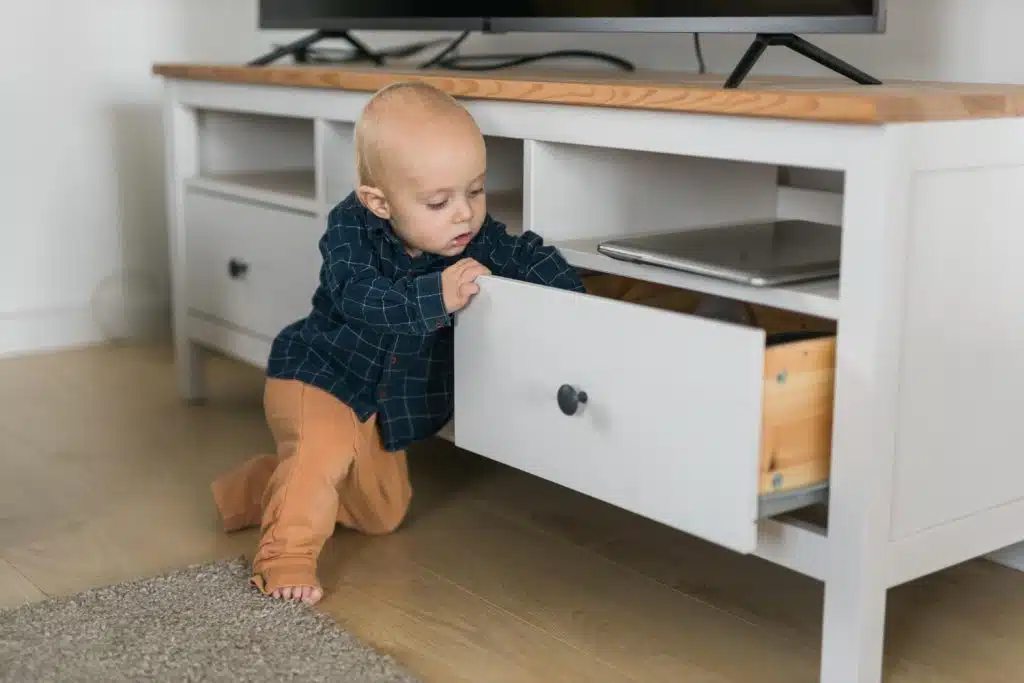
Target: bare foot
{"x": 309, "y": 594}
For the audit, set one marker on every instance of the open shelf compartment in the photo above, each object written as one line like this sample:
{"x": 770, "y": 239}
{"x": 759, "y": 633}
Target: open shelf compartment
{"x": 579, "y": 196}
{"x": 262, "y": 158}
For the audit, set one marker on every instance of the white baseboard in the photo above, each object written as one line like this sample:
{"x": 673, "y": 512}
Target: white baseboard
{"x": 26, "y": 332}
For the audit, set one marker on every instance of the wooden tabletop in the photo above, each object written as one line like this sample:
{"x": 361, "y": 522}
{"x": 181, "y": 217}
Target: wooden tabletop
{"x": 813, "y": 99}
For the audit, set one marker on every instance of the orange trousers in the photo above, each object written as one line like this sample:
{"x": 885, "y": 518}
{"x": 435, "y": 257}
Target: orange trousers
{"x": 329, "y": 468}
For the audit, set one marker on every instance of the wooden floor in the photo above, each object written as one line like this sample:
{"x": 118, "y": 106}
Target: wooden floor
{"x": 496, "y": 576}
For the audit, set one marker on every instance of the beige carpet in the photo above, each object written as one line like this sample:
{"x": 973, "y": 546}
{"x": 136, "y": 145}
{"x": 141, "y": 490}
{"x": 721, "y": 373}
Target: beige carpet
{"x": 201, "y": 623}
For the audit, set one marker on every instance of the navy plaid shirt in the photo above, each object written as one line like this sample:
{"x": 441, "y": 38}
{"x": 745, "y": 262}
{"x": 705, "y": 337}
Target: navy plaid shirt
{"x": 379, "y": 337}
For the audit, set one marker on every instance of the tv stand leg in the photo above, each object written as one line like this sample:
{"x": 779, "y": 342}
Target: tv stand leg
{"x": 803, "y": 47}
{"x": 300, "y": 49}
{"x": 853, "y": 631}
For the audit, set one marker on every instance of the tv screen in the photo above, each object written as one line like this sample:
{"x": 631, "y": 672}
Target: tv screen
{"x": 704, "y": 16}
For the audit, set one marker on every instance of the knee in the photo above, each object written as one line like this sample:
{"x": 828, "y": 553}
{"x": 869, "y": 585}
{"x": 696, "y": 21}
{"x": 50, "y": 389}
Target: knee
{"x": 389, "y": 517}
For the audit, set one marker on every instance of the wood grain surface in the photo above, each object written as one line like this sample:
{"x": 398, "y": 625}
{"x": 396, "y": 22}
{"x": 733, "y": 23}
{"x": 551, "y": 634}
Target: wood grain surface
{"x": 814, "y": 99}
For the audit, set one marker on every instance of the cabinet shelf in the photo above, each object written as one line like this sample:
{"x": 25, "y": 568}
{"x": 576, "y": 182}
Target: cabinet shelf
{"x": 291, "y": 188}
{"x": 819, "y": 298}
{"x": 506, "y": 206}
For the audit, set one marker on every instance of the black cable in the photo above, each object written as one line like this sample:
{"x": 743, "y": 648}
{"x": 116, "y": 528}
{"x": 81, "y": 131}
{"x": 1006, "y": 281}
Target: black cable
{"x": 325, "y": 55}
{"x": 459, "y": 63}
{"x": 440, "y": 57}
{"x": 445, "y": 59}
{"x": 701, "y": 66}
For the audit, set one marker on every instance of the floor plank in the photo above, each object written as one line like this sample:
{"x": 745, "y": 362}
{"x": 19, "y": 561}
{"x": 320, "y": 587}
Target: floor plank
{"x": 630, "y": 621}
{"x": 441, "y": 630}
{"x": 751, "y": 588}
{"x": 15, "y": 589}
{"x": 161, "y": 526}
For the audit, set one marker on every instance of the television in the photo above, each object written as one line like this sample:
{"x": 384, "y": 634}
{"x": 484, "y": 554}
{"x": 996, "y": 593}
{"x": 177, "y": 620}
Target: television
{"x": 774, "y": 22}
{"x": 643, "y": 16}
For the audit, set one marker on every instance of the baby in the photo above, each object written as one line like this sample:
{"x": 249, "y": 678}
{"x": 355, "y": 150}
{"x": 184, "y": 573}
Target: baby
{"x": 370, "y": 370}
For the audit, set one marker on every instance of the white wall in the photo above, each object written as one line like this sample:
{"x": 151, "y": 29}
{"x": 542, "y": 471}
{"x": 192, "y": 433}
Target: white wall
{"x": 81, "y": 168}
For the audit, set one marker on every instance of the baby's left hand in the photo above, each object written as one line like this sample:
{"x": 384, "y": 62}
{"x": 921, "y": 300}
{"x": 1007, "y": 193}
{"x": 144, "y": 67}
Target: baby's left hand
{"x": 458, "y": 283}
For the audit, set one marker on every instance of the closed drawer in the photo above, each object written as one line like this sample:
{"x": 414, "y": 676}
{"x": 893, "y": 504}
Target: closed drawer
{"x": 250, "y": 265}
{"x": 688, "y": 421}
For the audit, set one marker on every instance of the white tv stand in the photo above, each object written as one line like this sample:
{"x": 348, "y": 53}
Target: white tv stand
{"x": 917, "y": 385}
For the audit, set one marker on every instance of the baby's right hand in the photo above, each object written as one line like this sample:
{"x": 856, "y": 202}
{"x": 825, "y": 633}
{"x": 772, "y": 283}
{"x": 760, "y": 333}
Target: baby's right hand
{"x": 458, "y": 283}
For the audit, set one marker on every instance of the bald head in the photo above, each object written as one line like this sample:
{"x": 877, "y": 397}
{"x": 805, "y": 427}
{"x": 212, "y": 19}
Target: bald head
{"x": 400, "y": 124}
{"x": 421, "y": 164}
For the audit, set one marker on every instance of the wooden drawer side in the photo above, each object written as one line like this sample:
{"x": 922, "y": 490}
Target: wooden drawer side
{"x": 796, "y": 437}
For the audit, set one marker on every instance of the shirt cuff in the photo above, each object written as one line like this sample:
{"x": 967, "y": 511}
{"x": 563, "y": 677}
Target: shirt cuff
{"x": 431, "y": 301}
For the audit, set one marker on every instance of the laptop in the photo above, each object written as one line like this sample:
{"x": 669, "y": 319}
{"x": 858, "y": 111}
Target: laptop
{"x": 760, "y": 254}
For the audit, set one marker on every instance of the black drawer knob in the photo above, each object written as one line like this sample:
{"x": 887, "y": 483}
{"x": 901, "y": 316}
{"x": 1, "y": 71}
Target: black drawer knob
{"x": 236, "y": 268}
{"x": 569, "y": 399}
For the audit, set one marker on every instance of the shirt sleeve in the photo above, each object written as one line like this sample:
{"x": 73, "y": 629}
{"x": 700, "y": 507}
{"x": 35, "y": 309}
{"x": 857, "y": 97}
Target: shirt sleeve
{"x": 407, "y": 305}
{"x": 522, "y": 257}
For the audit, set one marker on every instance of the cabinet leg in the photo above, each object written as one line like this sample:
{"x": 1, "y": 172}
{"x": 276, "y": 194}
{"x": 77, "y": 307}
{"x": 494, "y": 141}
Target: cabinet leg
{"x": 190, "y": 361}
{"x": 877, "y": 206}
{"x": 853, "y": 632}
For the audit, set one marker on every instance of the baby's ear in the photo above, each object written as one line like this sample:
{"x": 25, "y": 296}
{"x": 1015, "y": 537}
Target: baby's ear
{"x": 373, "y": 199}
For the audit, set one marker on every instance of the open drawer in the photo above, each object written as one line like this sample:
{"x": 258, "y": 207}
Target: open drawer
{"x": 625, "y": 395}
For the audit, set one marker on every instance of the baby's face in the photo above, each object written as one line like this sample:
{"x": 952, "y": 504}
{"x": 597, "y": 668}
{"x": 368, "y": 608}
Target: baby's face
{"x": 436, "y": 190}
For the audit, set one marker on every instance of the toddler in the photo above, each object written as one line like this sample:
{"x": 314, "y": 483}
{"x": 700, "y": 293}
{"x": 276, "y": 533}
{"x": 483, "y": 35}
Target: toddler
{"x": 369, "y": 371}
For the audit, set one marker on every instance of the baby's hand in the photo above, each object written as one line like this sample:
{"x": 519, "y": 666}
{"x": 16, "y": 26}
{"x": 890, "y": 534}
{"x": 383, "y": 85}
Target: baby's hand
{"x": 458, "y": 283}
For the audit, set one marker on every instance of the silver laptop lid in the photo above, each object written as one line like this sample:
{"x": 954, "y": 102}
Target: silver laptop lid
{"x": 762, "y": 253}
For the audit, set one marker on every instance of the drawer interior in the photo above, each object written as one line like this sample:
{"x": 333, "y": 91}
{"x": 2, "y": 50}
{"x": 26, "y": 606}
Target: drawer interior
{"x": 798, "y": 384}
{"x": 774, "y": 321}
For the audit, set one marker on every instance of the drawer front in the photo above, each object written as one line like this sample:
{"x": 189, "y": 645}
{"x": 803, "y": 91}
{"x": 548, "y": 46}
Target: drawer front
{"x": 253, "y": 266}
{"x": 671, "y": 424}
